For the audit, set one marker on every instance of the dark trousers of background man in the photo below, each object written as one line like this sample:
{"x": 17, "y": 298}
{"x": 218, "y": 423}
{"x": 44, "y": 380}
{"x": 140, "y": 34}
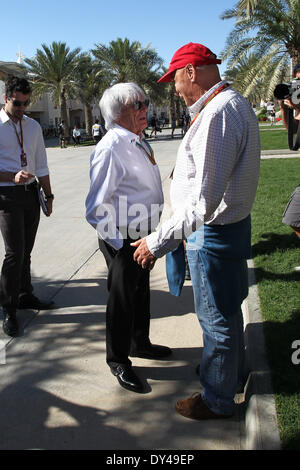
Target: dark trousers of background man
{"x": 19, "y": 220}
{"x": 128, "y": 305}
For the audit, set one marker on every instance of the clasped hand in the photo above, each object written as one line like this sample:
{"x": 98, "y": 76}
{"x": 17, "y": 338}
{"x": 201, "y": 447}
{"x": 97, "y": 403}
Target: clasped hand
{"x": 142, "y": 255}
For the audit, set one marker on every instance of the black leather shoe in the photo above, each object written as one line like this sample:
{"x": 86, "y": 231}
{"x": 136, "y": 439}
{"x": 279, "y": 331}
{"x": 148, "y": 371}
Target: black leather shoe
{"x": 10, "y": 324}
{"x": 152, "y": 351}
{"x": 127, "y": 378}
{"x": 31, "y": 301}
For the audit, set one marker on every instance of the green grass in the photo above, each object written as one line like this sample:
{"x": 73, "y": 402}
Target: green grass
{"x": 276, "y": 251}
{"x": 273, "y": 139}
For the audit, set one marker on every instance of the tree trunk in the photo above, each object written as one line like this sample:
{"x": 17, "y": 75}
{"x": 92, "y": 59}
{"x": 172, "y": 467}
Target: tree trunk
{"x": 177, "y": 104}
{"x": 64, "y": 114}
{"x": 171, "y": 102}
{"x": 88, "y": 118}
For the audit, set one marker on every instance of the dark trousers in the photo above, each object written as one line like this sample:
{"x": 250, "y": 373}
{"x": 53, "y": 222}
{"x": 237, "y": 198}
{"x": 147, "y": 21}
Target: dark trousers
{"x": 19, "y": 220}
{"x": 128, "y": 305}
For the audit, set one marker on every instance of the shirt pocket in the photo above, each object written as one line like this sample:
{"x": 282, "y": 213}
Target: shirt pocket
{"x": 190, "y": 166}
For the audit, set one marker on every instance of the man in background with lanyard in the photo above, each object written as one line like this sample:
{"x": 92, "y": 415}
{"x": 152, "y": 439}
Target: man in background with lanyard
{"x": 22, "y": 157}
{"x": 212, "y": 192}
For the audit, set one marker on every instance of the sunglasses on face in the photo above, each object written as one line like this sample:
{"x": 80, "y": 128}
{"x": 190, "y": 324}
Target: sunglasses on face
{"x": 19, "y": 103}
{"x": 139, "y": 104}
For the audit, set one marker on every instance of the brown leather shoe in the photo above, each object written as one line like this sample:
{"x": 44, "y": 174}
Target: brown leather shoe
{"x": 195, "y": 408}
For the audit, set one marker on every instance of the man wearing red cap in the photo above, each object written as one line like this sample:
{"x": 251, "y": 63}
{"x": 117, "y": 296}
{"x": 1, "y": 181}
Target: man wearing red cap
{"x": 212, "y": 192}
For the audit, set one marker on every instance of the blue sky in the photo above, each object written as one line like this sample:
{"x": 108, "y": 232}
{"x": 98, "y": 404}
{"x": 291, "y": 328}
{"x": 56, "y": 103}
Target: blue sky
{"x": 166, "y": 24}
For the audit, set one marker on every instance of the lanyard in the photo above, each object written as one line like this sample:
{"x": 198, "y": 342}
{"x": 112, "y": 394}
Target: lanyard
{"x": 20, "y": 140}
{"x": 215, "y": 93}
{"x": 149, "y": 154}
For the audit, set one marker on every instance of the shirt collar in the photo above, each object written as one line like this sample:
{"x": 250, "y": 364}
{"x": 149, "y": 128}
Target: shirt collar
{"x": 132, "y": 137}
{"x": 197, "y": 106}
{"x": 4, "y": 117}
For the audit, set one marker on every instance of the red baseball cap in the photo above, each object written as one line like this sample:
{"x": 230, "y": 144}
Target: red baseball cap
{"x": 191, "y": 53}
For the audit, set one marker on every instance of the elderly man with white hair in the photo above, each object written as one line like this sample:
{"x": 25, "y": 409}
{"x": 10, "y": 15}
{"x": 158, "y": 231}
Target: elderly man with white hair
{"x": 124, "y": 203}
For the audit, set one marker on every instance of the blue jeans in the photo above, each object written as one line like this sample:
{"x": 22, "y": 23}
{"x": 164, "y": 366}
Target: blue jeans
{"x": 222, "y": 362}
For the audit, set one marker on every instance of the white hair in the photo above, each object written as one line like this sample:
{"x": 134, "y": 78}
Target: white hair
{"x": 117, "y": 96}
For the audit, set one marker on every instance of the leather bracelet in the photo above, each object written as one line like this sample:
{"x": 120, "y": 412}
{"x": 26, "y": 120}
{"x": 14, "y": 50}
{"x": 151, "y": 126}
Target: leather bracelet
{"x": 49, "y": 196}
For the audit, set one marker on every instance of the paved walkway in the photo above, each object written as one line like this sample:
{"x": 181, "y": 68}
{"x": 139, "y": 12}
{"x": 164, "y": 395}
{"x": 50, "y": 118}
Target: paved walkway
{"x": 56, "y": 390}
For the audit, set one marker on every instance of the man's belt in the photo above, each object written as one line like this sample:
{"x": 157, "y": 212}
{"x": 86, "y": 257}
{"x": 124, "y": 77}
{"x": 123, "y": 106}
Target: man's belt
{"x": 20, "y": 187}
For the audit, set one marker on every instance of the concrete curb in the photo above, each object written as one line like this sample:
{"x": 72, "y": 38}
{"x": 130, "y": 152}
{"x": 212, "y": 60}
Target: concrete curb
{"x": 261, "y": 427}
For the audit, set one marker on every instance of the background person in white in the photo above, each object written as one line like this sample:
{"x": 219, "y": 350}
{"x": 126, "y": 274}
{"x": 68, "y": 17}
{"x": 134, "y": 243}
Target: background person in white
{"x": 97, "y": 131}
{"x": 212, "y": 192}
{"x": 76, "y": 135}
{"x": 124, "y": 202}
{"x": 22, "y": 157}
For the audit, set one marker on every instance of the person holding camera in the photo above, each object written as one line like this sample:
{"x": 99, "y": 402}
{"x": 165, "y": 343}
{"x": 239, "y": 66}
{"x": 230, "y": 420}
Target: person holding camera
{"x": 291, "y": 215}
{"x": 287, "y": 103}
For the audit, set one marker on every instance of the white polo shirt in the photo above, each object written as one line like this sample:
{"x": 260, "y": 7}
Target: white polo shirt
{"x": 10, "y": 150}
{"x": 125, "y": 186}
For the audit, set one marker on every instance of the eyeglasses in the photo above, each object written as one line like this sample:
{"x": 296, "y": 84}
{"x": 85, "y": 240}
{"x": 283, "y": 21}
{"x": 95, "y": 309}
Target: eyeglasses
{"x": 19, "y": 103}
{"x": 139, "y": 104}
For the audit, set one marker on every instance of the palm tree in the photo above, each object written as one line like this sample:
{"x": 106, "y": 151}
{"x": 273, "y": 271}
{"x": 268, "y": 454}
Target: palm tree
{"x": 91, "y": 82}
{"x": 175, "y": 103}
{"x": 53, "y": 70}
{"x": 241, "y": 76}
{"x": 270, "y": 30}
{"x": 248, "y": 5}
{"x": 245, "y": 72}
{"x": 127, "y": 61}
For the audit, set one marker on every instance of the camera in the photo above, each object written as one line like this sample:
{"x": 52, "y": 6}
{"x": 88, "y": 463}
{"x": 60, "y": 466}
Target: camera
{"x": 288, "y": 90}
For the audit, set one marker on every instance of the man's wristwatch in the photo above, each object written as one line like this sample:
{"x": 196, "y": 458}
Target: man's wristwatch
{"x": 49, "y": 196}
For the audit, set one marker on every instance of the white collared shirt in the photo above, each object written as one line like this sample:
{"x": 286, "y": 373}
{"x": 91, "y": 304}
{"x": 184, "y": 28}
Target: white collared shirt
{"x": 10, "y": 150}
{"x": 124, "y": 180}
{"x": 217, "y": 169}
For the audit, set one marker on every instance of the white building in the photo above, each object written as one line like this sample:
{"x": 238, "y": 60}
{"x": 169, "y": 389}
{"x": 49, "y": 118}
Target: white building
{"x": 44, "y": 110}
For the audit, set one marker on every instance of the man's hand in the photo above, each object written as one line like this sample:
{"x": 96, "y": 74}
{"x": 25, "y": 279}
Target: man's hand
{"x": 23, "y": 177}
{"x": 49, "y": 206}
{"x": 142, "y": 255}
{"x": 289, "y": 103}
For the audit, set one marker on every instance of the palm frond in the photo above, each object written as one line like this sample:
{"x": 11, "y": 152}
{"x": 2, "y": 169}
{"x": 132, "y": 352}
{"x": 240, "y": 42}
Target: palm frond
{"x": 264, "y": 40}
